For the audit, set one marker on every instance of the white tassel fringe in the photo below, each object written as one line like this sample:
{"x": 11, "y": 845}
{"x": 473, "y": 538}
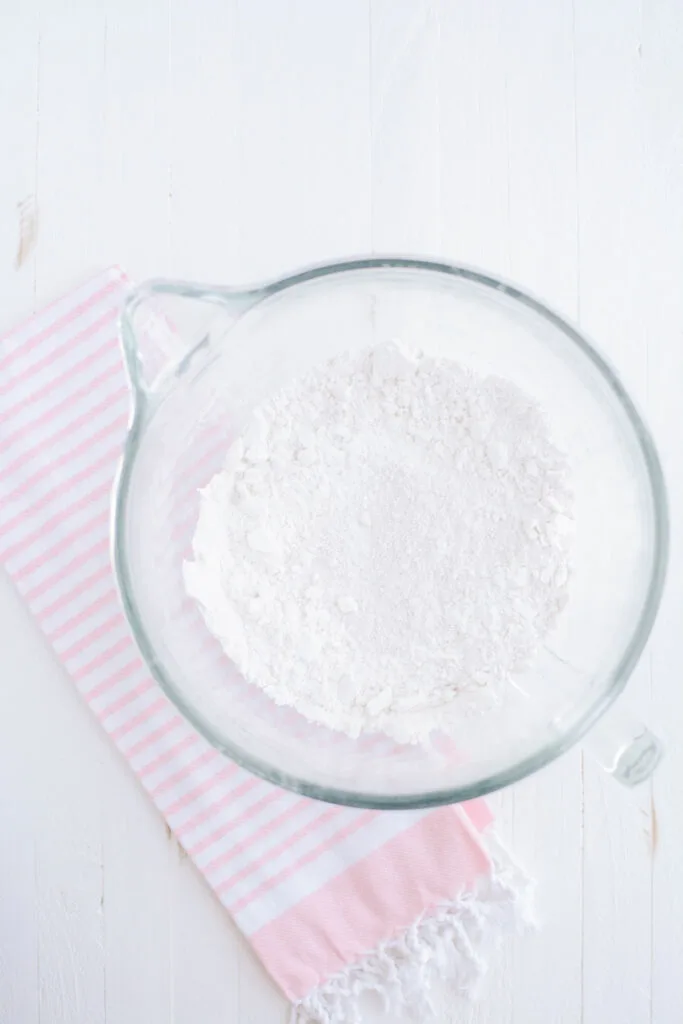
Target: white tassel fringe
{"x": 449, "y": 943}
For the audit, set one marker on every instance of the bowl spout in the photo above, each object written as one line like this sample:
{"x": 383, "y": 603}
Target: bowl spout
{"x": 169, "y": 326}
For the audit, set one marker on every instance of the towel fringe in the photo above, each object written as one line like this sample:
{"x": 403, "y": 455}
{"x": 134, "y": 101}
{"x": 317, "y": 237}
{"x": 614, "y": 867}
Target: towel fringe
{"x": 450, "y": 942}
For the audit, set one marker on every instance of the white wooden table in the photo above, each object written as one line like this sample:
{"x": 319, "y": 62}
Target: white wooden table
{"x": 228, "y": 140}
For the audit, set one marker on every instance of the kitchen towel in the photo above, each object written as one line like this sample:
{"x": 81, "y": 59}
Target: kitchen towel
{"x": 334, "y": 900}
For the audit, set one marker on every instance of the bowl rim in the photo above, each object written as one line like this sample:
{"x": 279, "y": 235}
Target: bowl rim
{"x": 615, "y": 680}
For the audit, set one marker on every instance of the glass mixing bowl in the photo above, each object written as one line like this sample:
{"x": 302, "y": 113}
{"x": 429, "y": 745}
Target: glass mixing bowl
{"x": 200, "y": 358}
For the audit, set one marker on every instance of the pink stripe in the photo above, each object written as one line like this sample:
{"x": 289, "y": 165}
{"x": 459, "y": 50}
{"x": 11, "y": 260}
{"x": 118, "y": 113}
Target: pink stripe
{"x": 108, "y": 600}
{"x": 478, "y": 812}
{"x": 125, "y": 643}
{"x": 113, "y": 622}
{"x": 250, "y": 812}
{"x": 307, "y": 829}
{"x": 247, "y": 844}
{"x": 358, "y": 823}
{"x": 189, "y": 798}
{"x": 312, "y": 826}
{"x": 68, "y": 318}
{"x": 154, "y": 737}
{"x": 44, "y": 474}
{"x": 185, "y": 773}
{"x": 84, "y": 419}
{"x": 210, "y": 810}
{"x": 143, "y": 716}
{"x": 149, "y": 769}
{"x": 54, "y": 386}
{"x": 103, "y": 573}
{"x": 70, "y": 344}
{"x": 370, "y": 901}
{"x": 45, "y": 421}
{"x": 53, "y": 552}
{"x": 61, "y": 516}
{"x": 36, "y": 318}
{"x": 104, "y": 714}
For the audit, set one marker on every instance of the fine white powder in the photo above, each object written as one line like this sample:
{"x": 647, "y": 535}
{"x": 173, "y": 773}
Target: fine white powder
{"x": 387, "y": 544}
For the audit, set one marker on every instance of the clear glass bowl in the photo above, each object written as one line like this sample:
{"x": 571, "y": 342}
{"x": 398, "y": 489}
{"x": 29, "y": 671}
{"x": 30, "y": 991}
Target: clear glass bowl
{"x": 200, "y": 358}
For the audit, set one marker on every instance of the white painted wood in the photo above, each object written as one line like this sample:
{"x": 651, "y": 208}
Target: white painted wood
{"x": 18, "y": 163}
{"x": 19, "y": 930}
{"x": 137, "y": 902}
{"x": 617, "y": 826}
{"x": 404, "y": 124}
{"x": 232, "y": 140}
{"x": 137, "y": 119}
{"x": 661, "y": 82}
{"x": 303, "y": 131}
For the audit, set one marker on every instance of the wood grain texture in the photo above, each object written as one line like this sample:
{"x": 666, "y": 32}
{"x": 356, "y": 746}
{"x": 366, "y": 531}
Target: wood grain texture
{"x": 232, "y": 140}
{"x": 617, "y": 857}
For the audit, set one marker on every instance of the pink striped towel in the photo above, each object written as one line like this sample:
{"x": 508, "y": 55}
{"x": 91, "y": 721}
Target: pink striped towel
{"x": 333, "y": 900}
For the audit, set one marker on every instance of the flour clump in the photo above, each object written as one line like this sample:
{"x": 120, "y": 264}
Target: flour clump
{"x": 387, "y": 544}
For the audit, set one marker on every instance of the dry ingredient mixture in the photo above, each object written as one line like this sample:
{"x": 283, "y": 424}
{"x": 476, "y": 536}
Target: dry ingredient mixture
{"x": 387, "y": 544}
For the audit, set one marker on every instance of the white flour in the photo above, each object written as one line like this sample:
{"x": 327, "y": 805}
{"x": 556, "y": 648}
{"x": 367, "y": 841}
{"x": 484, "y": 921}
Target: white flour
{"x": 387, "y": 543}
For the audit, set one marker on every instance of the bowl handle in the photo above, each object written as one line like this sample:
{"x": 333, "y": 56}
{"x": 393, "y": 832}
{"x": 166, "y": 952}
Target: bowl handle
{"x": 624, "y": 747}
{"x": 167, "y": 326}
